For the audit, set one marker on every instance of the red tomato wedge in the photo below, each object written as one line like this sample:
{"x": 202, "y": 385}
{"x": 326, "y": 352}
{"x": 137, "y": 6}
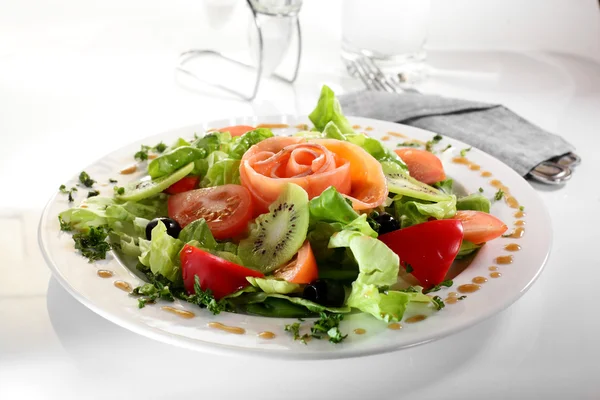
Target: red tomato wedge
{"x": 301, "y": 269}
{"x": 183, "y": 185}
{"x": 429, "y": 248}
{"x": 226, "y": 209}
{"x": 237, "y": 130}
{"x": 314, "y": 165}
{"x": 422, "y": 165}
{"x": 480, "y": 227}
{"x": 220, "y": 276}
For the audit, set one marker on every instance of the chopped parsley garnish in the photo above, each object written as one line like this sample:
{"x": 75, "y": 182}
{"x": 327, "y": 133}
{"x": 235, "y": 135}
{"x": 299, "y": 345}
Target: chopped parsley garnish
{"x": 521, "y": 208}
{"x": 462, "y": 297}
{"x": 464, "y": 152}
{"x": 480, "y": 190}
{"x": 294, "y": 329}
{"x": 499, "y": 194}
{"x": 436, "y": 288}
{"x": 159, "y": 148}
{"x": 63, "y": 189}
{"x": 446, "y": 148}
{"x": 64, "y": 226}
{"x": 111, "y": 180}
{"x": 409, "y": 268}
{"x": 93, "y": 193}
{"x": 142, "y": 155}
{"x": 430, "y": 143}
{"x": 152, "y": 292}
{"x": 408, "y": 144}
{"x": 85, "y": 179}
{"x": 119, "y": 190}
{"x": 329, "y": 324}
{"x": 92, "y": 243}
{"x": 438, "y": 303}
{"x": 204, "y": 298}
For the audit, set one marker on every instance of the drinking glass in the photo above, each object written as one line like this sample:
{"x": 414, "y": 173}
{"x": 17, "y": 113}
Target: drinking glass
{"x": 391, "y": 32}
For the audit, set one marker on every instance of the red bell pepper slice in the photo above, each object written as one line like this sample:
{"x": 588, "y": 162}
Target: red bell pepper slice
{"x": 222, "y": 277}
{"x": 429, "y": 248}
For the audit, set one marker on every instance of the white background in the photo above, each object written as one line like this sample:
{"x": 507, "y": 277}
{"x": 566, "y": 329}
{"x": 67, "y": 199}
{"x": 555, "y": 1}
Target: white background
{"x": 80, "y": 78}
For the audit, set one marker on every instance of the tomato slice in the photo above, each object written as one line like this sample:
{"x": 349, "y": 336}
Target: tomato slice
{"x": 422, "y": 165}
{"x": 479, "y": 226}
{"x": 302, "y": 268}
{"x": 222, "y": 277}
{"x": 237, "y": 130}
{"x": 226, "y": 209}
{"x": 429, "y": 248}
{"x": 183, "y": 185}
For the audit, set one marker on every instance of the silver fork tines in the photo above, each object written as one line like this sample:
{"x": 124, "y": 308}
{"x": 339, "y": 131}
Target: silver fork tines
{"x": 370, "y": 74}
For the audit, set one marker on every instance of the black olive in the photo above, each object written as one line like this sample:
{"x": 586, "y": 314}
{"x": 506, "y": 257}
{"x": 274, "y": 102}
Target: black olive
{"x": 173, "y": 227}
{"x": 325, "y": 292}
{"x": 387, "y": 223}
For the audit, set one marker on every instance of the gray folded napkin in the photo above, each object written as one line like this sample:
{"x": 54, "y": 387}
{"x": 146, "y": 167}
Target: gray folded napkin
{"x": 490, "y": 127}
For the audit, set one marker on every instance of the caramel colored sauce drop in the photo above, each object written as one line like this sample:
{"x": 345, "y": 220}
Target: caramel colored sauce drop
{"x": 266, "y": 335}
{"x": 479, "y": 280}
{"x": 474, "y": 167}
{"x": 178, "y": 312}
{"x": 519, "y": 214}
{"x": 129, "y": 170}
{"x": 273, "y": 126}
{"x": 460, "y": 160}
{"x": 468, "y": 288}
{"x": 512, "y": 202}
{"x": 231, "y": 329}
{"x": 360, "y": 331}
{"x": 486, "y": 174}
{"x": 396, "y": 134}
{"x": 415, "y": 318}
{"x": 504, "y": 260}
{"x": 104, "y": 273}
{"x": 495, "y": 275}
{"x": 512, "y": 247}
{"x": 517, "y": 234}
{"x": 124, "y": 286}
{"x": 493, "y": 268}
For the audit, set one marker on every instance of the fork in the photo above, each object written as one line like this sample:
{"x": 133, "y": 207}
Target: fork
{"x": 371, "y": 74}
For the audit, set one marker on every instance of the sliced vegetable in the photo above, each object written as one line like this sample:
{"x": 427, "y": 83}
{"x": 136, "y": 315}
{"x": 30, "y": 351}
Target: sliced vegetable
{"x": 220, "y": 276}
{"x": 409, "y": 211}
{"x": 143, "y": 189}
{"x": 301, "y": 269}
{"x": 271, "y": 285}
{"x": 226, "y": 209}
{"x": 399, "y": 182}
{"x": 480, "y": 227}
{"x": 423, "y": 165}
{"x": 173, "y": 160}
{"x": 183, "y": 185}
{"x": 475, "y": 202}
{"x": 429, "y": 248}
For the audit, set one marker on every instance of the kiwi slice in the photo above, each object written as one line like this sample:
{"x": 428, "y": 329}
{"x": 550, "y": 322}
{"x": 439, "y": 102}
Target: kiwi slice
{"x": 275, "y": 237}
{"x": 400, "y": 182}
{"x": 144, "y": 188}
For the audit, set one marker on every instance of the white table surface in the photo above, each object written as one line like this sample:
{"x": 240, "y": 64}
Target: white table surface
{"x": 78, "y": 79}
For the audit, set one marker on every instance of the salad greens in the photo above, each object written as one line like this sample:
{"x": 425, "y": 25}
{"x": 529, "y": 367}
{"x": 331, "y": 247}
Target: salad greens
{"x": 343, "y": 241}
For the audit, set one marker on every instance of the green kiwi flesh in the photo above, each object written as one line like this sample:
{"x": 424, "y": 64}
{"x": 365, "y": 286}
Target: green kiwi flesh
{"x": 275, "y": 237}
{"x": 400, "y": 182}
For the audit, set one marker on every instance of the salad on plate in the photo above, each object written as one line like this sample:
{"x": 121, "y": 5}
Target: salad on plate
{"x": 325, "y": 222}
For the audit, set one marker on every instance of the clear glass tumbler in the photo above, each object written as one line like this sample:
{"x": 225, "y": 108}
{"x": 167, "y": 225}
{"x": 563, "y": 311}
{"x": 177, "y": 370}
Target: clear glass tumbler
{"x": 392, "y": 32}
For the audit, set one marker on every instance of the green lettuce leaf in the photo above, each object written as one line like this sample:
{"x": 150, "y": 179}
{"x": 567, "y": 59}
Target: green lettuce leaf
{"x": 331, "y": 206}
{"x": 241, "y": 144}
{"x": 467, "y": 248}
{"x": 222, "y": 173}
{"x": 328, "y": 109}
{"x": 378, "y": 265}
{"x": 180, "y": 142}
{"x": 409, "y": 211}
{"x": 388, "y": 306}
{"x": 198, "y": 231}
{"x": 475, "y": 201}
{"x": 214, "y": 141}
{"x": 163, "y": 254}
{"x": 271, "y": 285}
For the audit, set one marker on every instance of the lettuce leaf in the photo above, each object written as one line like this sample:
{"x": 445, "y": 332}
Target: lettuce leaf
{"x": 199, "y": 232}
{"x": 173, "y": 160}
{"x": 241, "y": 144}
{"x": 331, "y": 206}
{"x": 409, "y": 211}
{"x": 475, "y": 201}
{"x": 272, "y": 285}
{"x": 328, "y": 109}
{"x": 162, "y": 256}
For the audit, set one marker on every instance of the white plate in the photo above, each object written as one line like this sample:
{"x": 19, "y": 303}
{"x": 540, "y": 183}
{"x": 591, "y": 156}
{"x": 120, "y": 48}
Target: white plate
{"x": 79, "y": 277}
